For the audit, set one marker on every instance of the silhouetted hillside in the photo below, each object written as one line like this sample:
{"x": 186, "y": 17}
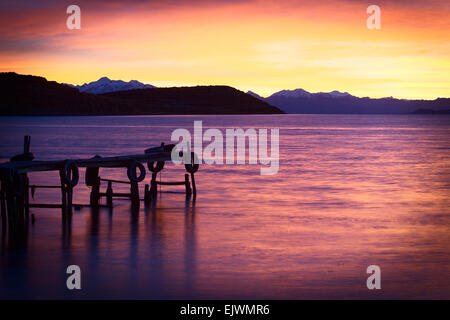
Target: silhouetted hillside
{"x": 195, "y": 100}
{"x": 31, "y": 95}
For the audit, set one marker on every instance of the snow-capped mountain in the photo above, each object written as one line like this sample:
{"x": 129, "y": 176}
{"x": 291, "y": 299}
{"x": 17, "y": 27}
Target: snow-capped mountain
{"x": 300, "y": 93}
{"x": 292, "y": 93}
{"x": 337, "y": 94}
{"x": 104, "y": 85}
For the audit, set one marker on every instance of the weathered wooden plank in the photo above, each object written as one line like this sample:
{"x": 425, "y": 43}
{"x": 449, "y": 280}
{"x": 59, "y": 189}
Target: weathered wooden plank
{"x": 181, "y": 183}
{"x": 116, "y": 194}
{"x": 104, "y": 162}
{"x": 45, "y": 205}
{"x": 43, "y": 187}
{"x": 58, "y": 206}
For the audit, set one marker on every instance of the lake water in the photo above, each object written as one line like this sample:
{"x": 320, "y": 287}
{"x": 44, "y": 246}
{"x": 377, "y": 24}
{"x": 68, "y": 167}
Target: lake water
{"x": 351, "y": 191}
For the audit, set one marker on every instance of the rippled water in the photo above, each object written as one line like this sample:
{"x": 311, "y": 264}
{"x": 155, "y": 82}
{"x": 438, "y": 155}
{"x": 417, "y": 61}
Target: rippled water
{"x": 352, "y": 191}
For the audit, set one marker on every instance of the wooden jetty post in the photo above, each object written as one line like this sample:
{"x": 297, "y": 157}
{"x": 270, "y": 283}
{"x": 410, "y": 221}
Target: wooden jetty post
{"x": 63, "y": 193}
{"x": 109, "y": 195}
{"x": 69, "y": 176}
{"x": 154, "y": 183}
{"x": 194, "y": 188}
{"x": 187, "y": 186}
{"x": 92, "y": 179}
{"x": 27, "y": 196}
{"x": 153, "y": 186}
{"x": 19, "y": 184}
{"x": 192, "y": 168}
{"x": 147, "y": 197}
{"x": 133, "y": 167}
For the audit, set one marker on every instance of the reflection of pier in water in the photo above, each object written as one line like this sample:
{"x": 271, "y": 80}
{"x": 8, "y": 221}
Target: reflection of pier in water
{"x": 138, "y": 255}
{"x": 150, "y": 250}
{"x": 16, "y": 189}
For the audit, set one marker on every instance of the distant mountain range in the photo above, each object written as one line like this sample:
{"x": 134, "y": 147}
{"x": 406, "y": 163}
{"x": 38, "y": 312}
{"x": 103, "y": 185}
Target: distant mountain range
{"x": 31, "y": 95}
{"x": 302, "y": 101}
{"x": 335, "y": 102}
{"x": 105, "y": 85}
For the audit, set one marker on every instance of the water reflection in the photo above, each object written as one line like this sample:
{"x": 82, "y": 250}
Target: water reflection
{"x": 190, "y": 246}
{"x": 351, "y": 191}
{"x": 148, "y": 268}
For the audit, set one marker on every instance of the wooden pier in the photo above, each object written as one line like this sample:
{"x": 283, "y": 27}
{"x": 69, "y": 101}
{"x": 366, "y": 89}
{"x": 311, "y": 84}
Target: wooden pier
{"x": 15, "y": 187}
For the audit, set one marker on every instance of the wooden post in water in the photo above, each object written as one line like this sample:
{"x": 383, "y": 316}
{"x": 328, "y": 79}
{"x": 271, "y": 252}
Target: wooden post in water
{"x": 187, "y": 185}
{"x": 63, "y": 193}
{"x": 154, "y": 186}
{"x": 19, "y": 187}
{"x": 194, "y": 189}
{"x": 95, "y": 193}
{"x": 27, "y": 196}
{"x": 134, "y": 190}
{"x": 147, "y": 197}
{"x": 109, "y": 195}
{"x": 93, "y": 181}
{"x": 69, "y": 199}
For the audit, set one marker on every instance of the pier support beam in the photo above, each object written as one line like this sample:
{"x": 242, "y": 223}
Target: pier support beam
{"x": 95, "y": 194}
{"x": 153, "y": 186}
{"x": 66, "y": 194}
{"x": 27, "y": 196}
{"x": 63, "y": 193}
{"x": 93, "y": 181}
{"x": 188, "y": 186}
{"x": 109, "y": 195}
{"x": 134, "y": 190}
{"x": 194, "y": 189}
{"x": 147, "y": 197}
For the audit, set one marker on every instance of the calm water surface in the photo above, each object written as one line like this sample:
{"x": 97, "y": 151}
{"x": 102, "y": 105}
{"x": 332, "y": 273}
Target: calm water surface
{"x": 351, "y": 191}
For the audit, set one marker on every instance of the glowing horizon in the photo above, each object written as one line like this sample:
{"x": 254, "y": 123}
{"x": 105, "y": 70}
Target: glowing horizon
{"x": 257, "y": 45}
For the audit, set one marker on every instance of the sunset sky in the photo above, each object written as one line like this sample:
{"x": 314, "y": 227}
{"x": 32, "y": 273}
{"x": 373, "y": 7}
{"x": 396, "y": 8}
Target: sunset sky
{"x": 259, "y": 45}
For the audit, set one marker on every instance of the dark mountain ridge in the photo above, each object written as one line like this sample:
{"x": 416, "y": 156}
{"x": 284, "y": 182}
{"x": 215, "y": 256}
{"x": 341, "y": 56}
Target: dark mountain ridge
{"x": 32, "y": 95}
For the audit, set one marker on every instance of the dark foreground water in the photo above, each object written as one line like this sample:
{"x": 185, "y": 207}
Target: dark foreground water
{"x": 352, "y": 191}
